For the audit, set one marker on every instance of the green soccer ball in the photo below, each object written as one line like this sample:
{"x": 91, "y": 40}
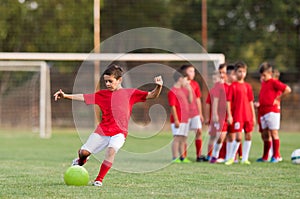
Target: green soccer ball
{"x": 76, "y": 175}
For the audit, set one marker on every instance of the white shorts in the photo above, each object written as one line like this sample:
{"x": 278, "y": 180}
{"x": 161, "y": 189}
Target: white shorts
{"x": 182, "y": 130}
{"x": 271, "y": 121}
{"x": 195, "y": 123}
{"x": 97, "y": 143}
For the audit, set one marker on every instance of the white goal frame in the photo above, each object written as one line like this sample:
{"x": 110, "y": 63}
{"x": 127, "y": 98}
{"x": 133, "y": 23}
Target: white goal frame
{"x": 45, "y": 100}
{"x": 22, "y": 61}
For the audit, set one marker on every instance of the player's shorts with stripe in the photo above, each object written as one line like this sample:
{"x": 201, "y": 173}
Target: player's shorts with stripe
{"x": 195, "y": 123}
{"x": 182, "y": 130}
{"x": 214, "y": 128}
{"x": 97, "y": 142}
{"x": 271, "y": 121}
{"x": 246, "y": 126}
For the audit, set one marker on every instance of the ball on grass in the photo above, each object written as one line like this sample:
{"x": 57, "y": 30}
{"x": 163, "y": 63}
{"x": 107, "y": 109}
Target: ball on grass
{"x": 295, "y": 157}
{"x": 76, "y": 175}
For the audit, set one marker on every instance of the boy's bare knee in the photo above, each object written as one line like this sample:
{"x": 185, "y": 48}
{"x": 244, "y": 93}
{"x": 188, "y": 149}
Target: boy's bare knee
{"x": 84, "y": 153}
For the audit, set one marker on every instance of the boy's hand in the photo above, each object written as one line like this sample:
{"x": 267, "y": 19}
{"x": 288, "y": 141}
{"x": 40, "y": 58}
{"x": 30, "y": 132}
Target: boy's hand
{"x": 256, "y": 104}
{"x": 158, "y": 80}
{"x": 229, "y": 119}
{"x": 215, "y": 118}
{"x": 59, "y": 94}
{"x": 177, "y": 124}
{"x": 276, "y": 102}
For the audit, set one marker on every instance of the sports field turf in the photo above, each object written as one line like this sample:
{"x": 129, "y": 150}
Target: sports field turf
{"x": 33, "y": 168}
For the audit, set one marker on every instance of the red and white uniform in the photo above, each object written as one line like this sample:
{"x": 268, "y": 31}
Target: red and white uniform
{"x": 178, "y": 97}
{"x": 116, "y": 107}
{"x": 195, "y": 121}
{"x": 240, "y": 95}
{"x": 218, "y": 91}
{"x": 268, "y": 111}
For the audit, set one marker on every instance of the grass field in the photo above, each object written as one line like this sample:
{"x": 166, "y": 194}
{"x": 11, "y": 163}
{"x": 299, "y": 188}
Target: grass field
{"x": 33, "y": 168}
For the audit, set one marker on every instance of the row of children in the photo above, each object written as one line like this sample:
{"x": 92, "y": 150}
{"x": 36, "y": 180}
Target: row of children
{"x": 230, "y": 111}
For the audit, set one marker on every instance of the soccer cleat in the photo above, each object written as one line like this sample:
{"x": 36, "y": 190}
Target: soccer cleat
{"x": 177, "y": 160}
{"x": 202, "y": 158}
{"x": 229, "y": 162}
{"x": 76, "y": 161}
{"x": 213, "y": 160}
{"x": 246, "y": 162}
{"x": 274, "y": 160}
{"x": 220, "y": 160}
{"x": 186, "y": 160}
{"x": 261, "y": 160}
{"x": 97, "y": 184}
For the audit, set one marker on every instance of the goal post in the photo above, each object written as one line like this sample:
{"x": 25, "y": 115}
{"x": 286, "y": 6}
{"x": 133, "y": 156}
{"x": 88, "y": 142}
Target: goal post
{"x": 44, "y": 89}
{"x": 37, "y": 62}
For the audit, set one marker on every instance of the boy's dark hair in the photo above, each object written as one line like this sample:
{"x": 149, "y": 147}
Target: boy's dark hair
{"x": 177, "y": 74}
{"x": 230, "y": 68}
{"x": 221, "y": 66}
{"x": 265, "y": 67}
{"x": 239, "y": 65}
{"x": 184, "y": 67}
{"x": 114, "y": 70}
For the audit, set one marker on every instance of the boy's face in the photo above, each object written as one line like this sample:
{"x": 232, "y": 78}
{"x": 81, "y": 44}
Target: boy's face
{"x": 231, "y": 76}
{"x": 266, "y": 75}
{"x": 223, "y": 75}
{"x": 241, "y": 73}
{"x": 216, "y": 78}
{"x": 190, "y": 72}
{"x": 111, "y": 82}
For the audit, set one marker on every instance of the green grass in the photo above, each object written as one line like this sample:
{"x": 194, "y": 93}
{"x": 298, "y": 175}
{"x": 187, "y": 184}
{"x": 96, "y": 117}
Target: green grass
{"x": 33, "y": 168}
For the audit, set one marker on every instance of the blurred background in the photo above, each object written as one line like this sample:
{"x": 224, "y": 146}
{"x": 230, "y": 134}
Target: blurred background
{"x": 253, "y": 31}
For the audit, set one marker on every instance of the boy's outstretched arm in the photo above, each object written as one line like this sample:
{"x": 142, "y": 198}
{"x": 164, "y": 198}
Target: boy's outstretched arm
{"x": 60, "y": 94}
{"x": 156, "y": 91}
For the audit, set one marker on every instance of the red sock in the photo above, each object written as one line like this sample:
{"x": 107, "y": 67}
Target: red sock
{"x": 267, "y": 146}
{"x": 240, "y": 150}
{"x": 198, "y": 144}
{"x": 184, "y": 154}
{"x": 105, "y": 166}
{"x": 223, "y": 151}
{"x": 210, "y": 149}
{"x": 276, "y": 145}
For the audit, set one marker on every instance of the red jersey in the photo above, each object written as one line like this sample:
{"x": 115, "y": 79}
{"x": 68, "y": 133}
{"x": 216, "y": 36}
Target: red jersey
{"x": 116, "y": 107}
{"x": 269, "y": 91}
{"x": 240, "y": 95}
{"x": 178, "y": 97}
{"x": 218, "y": 91}
{"x": 196, "y": 94}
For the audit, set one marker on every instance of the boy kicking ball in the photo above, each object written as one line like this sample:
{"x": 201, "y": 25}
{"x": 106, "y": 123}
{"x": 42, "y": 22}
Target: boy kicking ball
{"x": 116, "y": 105}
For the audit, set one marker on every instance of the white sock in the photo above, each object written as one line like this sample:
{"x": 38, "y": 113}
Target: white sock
{"x": 246, "y": 149}
{"x": 234, "y": 149}
{"x": 271, "y": 151}
{"x": 216, "y": 151}
{"x": 229, "y": 146}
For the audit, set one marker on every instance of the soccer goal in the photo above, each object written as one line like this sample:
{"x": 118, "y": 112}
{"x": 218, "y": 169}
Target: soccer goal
{"x": 25, "y": 96}
{"x": 25, "y": 82}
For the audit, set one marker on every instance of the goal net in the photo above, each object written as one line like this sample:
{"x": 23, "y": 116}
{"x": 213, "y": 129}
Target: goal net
{"x": 25, "y": 96}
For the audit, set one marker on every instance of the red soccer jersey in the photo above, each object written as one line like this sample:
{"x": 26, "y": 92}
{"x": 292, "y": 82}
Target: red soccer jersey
{"x": 116, "y": 107}
{"x": 218, "y": 91}
{"x": 178, "y": 97}
{"x": 269, "y": 91}
{"x": 196, "y": 94}
{"x": 240, "y": 95}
